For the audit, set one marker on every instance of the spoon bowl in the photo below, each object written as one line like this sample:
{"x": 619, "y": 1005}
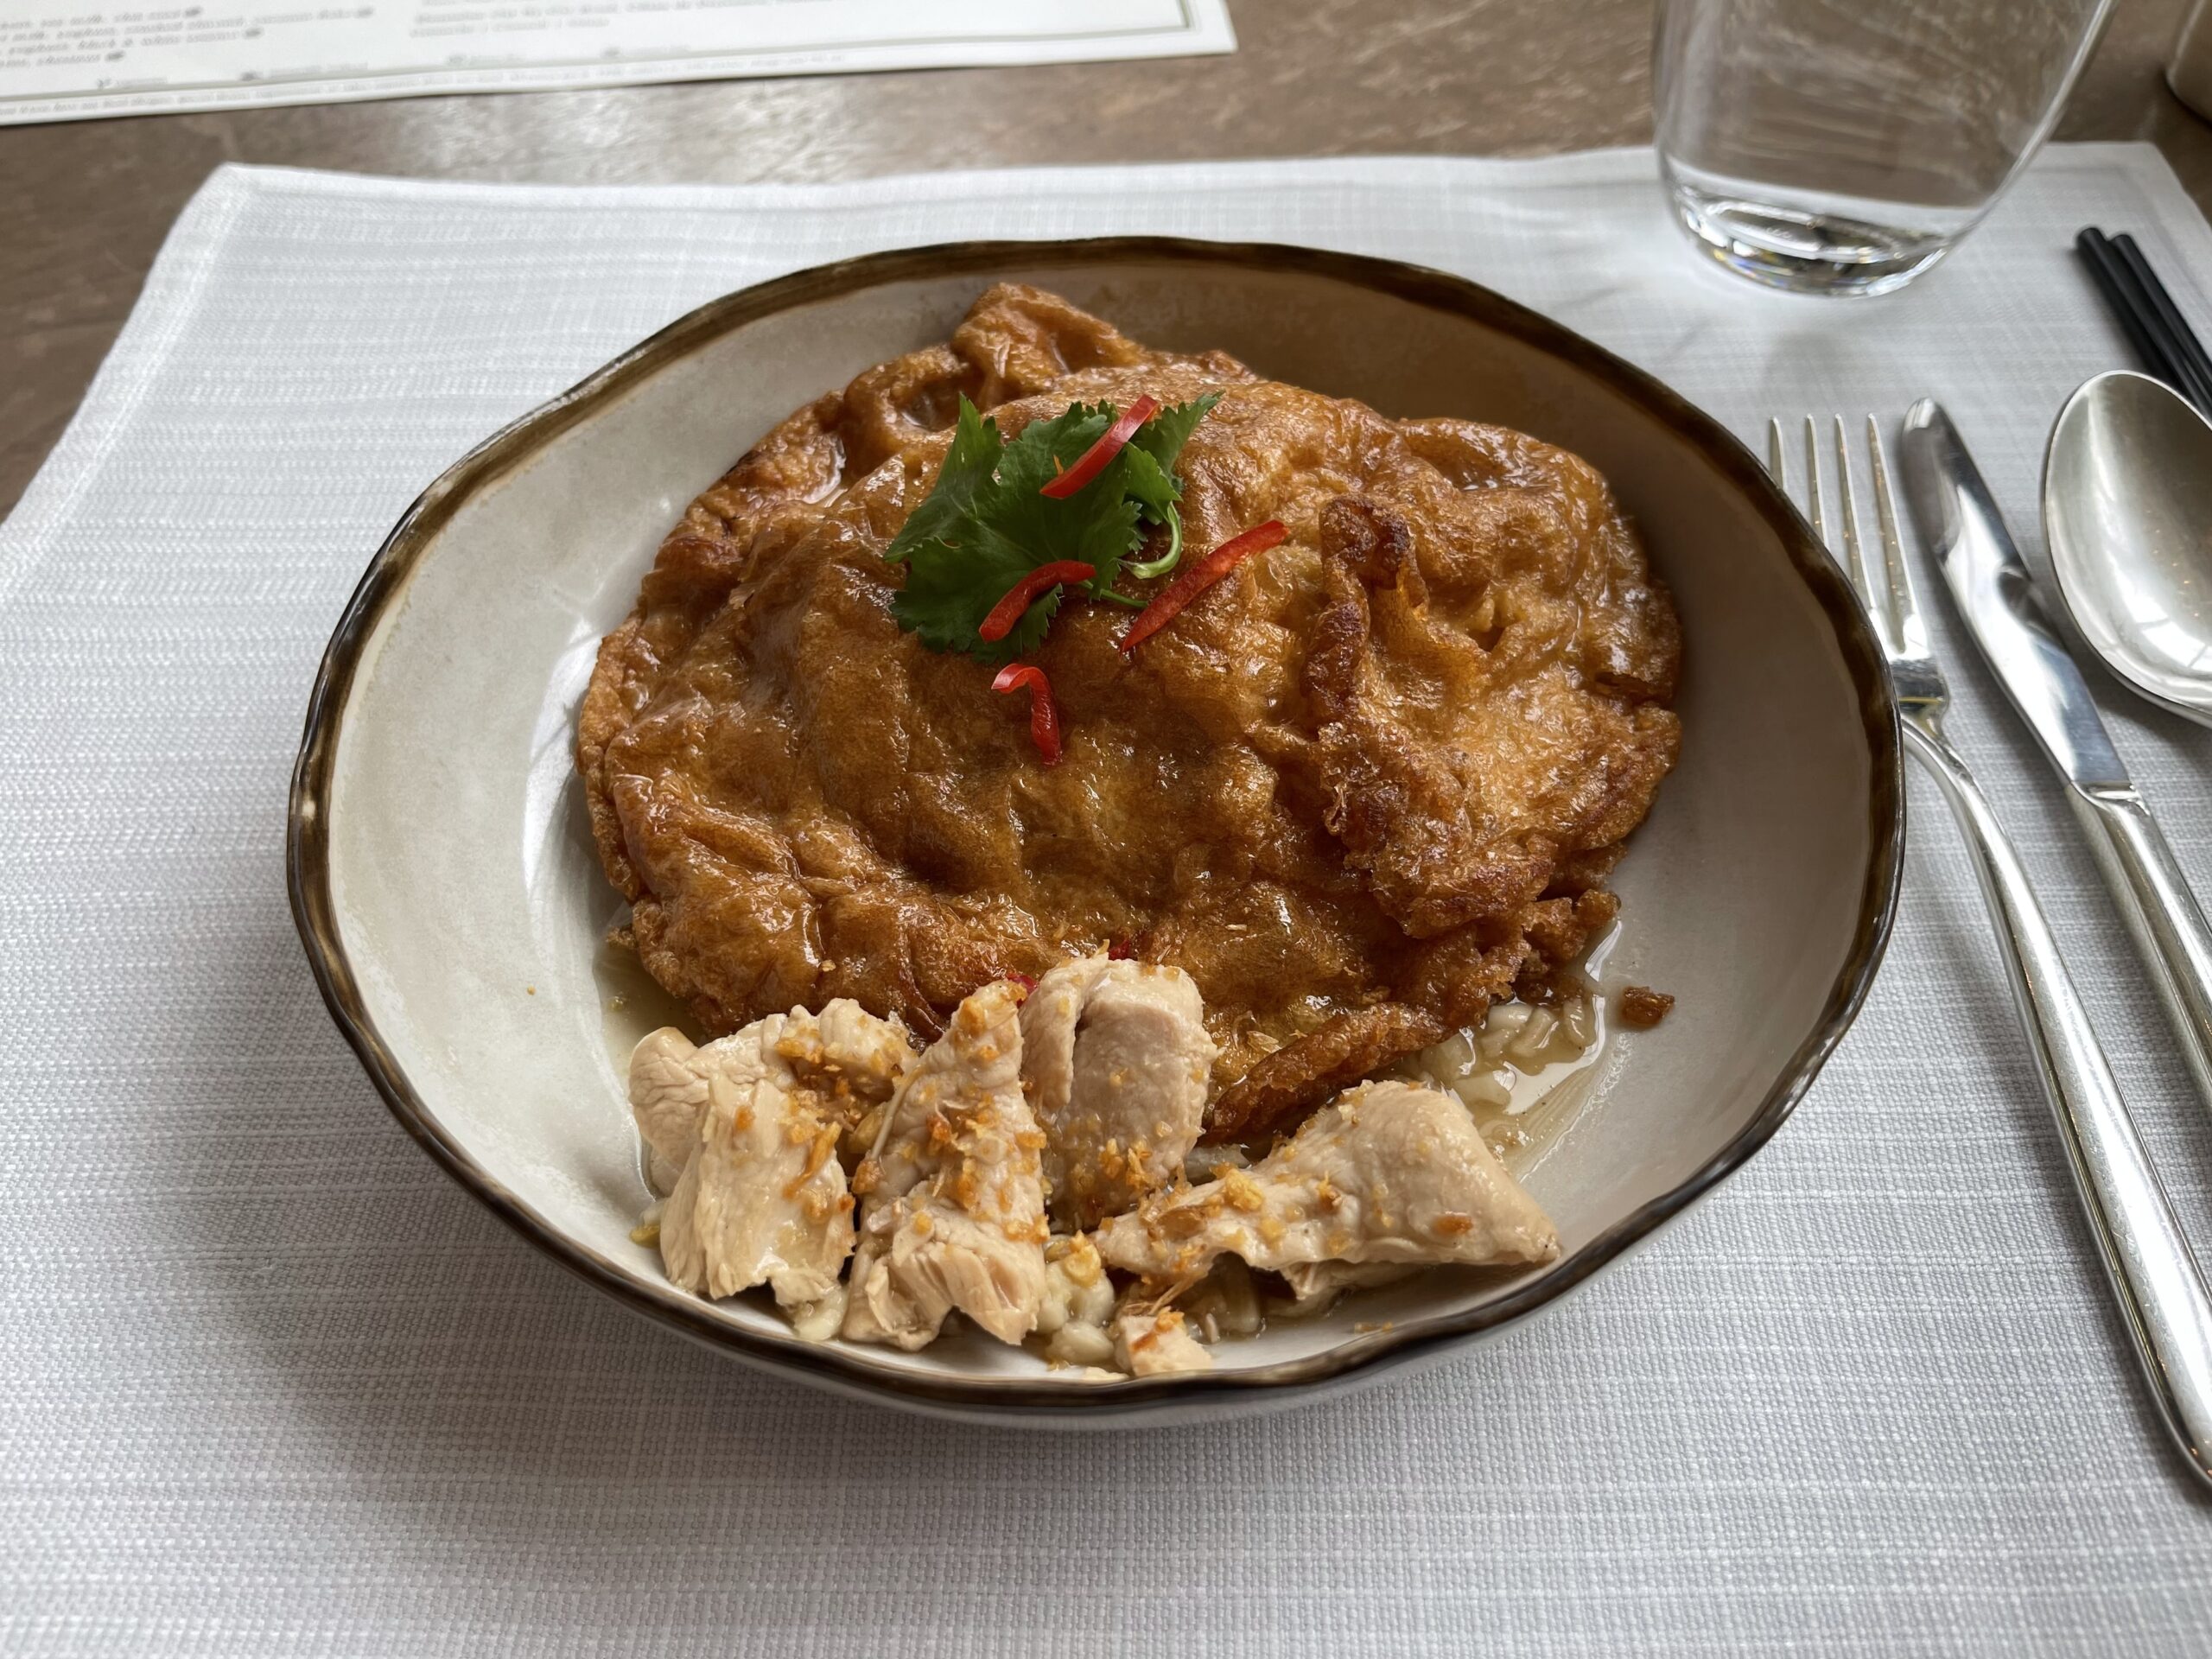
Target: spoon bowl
{"x": 2128, "y": 512}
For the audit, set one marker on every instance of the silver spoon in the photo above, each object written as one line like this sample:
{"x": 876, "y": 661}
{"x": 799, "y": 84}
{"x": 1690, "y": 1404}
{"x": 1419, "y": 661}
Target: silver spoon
{"x": 2128, "y": 512}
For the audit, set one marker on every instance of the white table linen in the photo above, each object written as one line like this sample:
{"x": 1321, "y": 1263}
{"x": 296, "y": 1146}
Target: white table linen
{"x": 270, "y": 1383}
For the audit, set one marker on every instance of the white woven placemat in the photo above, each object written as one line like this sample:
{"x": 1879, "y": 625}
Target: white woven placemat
{"x": 271, "y": 1384}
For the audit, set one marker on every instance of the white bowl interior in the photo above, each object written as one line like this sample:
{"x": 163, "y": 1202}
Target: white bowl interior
{"x": 471, "y": 905}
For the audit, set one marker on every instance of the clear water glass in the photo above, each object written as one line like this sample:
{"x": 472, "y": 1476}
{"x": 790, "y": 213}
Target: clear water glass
{"x": 1845, "y": 146}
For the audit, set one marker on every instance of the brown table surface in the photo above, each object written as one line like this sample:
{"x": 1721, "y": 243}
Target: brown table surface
{"x": 84, "y": 205}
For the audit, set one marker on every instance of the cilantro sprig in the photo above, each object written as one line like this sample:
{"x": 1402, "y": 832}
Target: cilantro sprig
{"x": 986, "y": 525}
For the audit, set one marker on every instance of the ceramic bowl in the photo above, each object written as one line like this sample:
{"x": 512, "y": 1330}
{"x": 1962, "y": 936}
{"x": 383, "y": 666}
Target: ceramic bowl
{"x": 444, "y": 881}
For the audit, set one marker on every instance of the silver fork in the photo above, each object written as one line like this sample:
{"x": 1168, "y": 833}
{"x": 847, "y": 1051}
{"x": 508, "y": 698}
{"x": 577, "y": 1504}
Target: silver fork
{"x": 2161, "y": 1290}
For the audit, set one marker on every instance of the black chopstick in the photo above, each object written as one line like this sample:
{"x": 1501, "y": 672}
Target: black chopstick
{"x": 2161, "y": 336}
{"x": 2189, "y": 350}
{"x": 2112, "y": 280}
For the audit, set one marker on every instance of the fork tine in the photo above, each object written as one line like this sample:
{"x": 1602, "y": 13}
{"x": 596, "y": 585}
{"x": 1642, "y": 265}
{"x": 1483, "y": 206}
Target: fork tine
{"x": 1774, "y": 462}
{"x": 1907, "y": 632}
{"x": 1812, "y": 481}
{"x": 1854, "y": 550}
{"x": 1892, "y": 606}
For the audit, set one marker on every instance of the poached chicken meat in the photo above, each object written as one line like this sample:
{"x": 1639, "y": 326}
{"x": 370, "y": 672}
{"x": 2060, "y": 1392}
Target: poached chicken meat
{"x": 955, "y": 1196}
{"x": 1361, "y": 787}
{"x": 752, "y": 1125}
{"x": 1116, "y": 1060}
{"x": 1390, "y": 1176}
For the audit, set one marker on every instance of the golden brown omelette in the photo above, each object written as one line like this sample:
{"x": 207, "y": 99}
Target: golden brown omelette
{"x": 1365, "y": 784}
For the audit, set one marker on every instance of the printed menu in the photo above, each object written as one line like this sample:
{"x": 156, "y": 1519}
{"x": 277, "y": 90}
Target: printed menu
{"x": 64, "y": 61}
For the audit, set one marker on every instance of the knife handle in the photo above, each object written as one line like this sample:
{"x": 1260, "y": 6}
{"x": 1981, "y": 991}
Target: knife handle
{"x": 2161, "y": 913}
{"x": 2154, "y": 1277}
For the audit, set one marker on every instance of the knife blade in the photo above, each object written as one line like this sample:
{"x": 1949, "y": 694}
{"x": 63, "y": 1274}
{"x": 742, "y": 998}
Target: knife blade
{"x": 1957, "y": 518}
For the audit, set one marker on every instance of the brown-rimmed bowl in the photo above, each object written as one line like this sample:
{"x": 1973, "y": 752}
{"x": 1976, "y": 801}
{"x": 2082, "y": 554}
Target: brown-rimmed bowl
{"x": 444, "y": 883}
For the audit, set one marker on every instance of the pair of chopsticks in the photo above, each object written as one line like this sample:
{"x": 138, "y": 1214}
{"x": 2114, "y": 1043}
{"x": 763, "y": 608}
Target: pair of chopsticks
{"x": 2160, "y": 334}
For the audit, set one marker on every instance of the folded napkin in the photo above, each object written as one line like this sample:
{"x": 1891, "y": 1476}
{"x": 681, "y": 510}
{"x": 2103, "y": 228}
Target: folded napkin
{"x": 270, "y": 1383}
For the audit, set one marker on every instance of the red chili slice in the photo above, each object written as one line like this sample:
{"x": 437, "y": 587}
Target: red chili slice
{"x": 1200, "y": 578}
{"x": 1022, "y": 982}
{"x": 1044, "y": 718}
{"x": 1093, "y": 460}
{"x": 1024, "y": 593}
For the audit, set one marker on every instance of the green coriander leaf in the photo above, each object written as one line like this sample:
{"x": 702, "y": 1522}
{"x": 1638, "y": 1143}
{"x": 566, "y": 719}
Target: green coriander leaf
{"x": 950, "y": 589}
{"x": 1151, "y": 455}
{"x": 1163, "y": 436}
{"x": 966, "y": 475}
{"x": 1098, "y": 526}
{"x": 1042, "y": 450}
{"x": 1133, "y": 477}
{"x": 1138, "y": 474}
{"x": 987, "y": 522}
{"x": 1026, "y": 635}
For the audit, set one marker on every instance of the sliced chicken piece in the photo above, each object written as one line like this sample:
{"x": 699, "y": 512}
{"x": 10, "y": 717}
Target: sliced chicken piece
{"x": 752, "y": 1121}
{"x": 845, "y": 1053}
{"x": 861, "y": 1060}
{"x": 1153, "y": 1345}
{"x": 668, "y": 1097}
{"x": 1117, "y": 1059}
{"x": 955, "y": 1194}
{"x": 1389, "y": 1175}
{"x": 763, "y": 1198}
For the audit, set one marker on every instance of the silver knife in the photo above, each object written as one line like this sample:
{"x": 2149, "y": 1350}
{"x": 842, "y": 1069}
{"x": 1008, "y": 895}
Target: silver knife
{"x": 1960, "y": 521}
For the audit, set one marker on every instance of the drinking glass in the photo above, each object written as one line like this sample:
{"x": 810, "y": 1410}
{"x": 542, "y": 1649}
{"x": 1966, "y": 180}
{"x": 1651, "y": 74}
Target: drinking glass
{"x": 1845, "y": 146}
